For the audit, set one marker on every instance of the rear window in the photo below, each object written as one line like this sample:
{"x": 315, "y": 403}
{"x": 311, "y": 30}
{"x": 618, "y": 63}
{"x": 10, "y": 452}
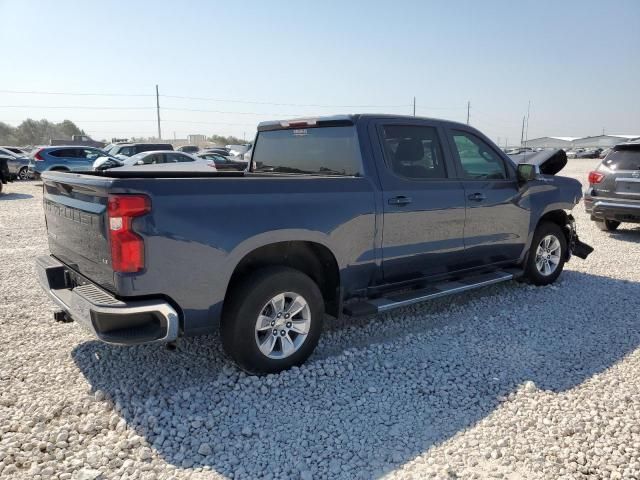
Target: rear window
{"x": 623, "y": 159}
{"x": 324, "y": 151}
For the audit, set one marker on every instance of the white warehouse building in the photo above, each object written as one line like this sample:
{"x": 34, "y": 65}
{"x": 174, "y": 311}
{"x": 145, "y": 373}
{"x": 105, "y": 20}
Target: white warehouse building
{"x": 597, "y": 141}
{"x": 551, "y": 142}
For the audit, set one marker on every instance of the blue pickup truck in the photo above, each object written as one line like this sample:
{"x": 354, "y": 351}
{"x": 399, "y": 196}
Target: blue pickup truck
{"x": 353, "y": 215}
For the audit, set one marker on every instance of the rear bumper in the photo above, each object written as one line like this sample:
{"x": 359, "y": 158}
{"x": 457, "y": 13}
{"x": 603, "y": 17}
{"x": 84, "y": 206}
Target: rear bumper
{"x": 108, "y": 318}
{"x": 613, "y": 209}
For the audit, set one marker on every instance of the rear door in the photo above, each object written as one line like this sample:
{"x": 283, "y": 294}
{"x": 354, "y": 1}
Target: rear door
{"x": 423, "y": 202}
{"x": 496, "y": 226}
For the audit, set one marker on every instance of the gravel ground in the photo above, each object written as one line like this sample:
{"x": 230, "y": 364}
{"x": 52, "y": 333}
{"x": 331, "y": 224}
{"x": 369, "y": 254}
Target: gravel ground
{"x": 512, "y": 381}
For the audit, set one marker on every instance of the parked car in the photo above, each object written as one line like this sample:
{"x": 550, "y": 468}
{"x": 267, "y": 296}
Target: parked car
{"x": 219, "y": 150}
{"x": 189, "y": 149}
{"x": 146, "y": 158}
{"x": 124, "y": 150}
{"x": 592, "y": 153}
{"x": 18, "y": 164}
{"x": 223, "y": 163}
{"x": 574, "y": 153}
{"x": 69, "y": 158}
{"x": 354, "y": 214}
{"x": 19, "y": 151}
{"x": 5, "y": 176}
{"x": 519, "y": 150}
{"x": 613, "y": 195}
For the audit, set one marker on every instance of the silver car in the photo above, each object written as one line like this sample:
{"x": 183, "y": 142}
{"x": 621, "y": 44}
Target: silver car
{"x": 18, "y": 165}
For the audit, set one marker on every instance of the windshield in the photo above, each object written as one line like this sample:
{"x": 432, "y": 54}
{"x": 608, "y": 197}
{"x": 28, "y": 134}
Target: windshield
{"x": 320, "y": 151}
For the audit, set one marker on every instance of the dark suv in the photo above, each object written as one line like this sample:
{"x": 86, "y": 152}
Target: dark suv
{"x": 613, "y": 196}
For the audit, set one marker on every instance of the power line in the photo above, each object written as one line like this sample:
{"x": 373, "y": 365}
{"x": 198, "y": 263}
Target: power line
{"x": 212, "y": 99}
{"x": 77, "y": 107}
{"x": 76, "y": 94}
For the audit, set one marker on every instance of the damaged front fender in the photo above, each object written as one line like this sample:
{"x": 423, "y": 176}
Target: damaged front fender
{"x": 576, "y": 247}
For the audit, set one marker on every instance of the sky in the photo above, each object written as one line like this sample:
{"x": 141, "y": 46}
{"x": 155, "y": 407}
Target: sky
{"x": 242, "y": 62}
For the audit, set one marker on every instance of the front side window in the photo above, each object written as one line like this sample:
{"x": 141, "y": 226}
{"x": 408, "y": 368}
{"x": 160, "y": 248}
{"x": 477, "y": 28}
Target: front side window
{"x": 177, "y": 157}
{"x": 479, "y": 161}
{"x": 126, "y": 151}
{"x": 414, "y": 152}
{"x": 320, "y": 151}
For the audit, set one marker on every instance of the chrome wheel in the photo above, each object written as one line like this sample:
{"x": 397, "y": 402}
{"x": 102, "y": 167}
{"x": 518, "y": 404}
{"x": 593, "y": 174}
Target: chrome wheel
{"x": 23, "y": 173}
{"x": 548, "y": 255}
{"x": 283, "y": 325}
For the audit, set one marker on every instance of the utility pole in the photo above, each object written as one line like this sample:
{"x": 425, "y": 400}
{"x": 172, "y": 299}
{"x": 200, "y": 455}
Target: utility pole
{"x": 526, "y": 136}
{"x": 468, "y": 108}
{"x": 414, "y": 106}
{"x": 522, "y": 134}
{"x": 158, "y": 112}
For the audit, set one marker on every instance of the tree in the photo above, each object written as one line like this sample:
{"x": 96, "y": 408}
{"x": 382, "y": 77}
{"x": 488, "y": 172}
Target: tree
{"x": 222, "y": 140}
{"x": 37, "y": 132}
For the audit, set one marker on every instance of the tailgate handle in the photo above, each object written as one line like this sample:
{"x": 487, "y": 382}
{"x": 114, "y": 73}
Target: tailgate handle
{"x": 400, "y": 200}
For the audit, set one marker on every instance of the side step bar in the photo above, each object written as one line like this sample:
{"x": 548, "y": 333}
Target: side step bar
{"x": 397, "y": 300}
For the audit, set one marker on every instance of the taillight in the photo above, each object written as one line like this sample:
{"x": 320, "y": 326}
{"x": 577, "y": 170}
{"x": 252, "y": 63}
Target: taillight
{"x": 595, "y": 177}
{"x": 127, "y": 247}
{"x": 37, "y": 157}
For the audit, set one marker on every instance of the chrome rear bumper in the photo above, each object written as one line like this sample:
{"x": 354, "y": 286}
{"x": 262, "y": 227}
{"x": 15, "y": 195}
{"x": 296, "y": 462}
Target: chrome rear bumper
{"x": 108, "y": 318}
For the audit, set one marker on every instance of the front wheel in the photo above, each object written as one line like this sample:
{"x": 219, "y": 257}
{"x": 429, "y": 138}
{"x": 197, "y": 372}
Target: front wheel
{"x": 607, "y": 225}
{"x": 272, "y": 320}
{"x": 23, "y": 173}
{"x": 547, "y": 254}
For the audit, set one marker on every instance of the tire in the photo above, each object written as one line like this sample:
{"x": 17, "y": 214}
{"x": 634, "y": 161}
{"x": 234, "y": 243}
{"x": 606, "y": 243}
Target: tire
{"x": 23, "y": 173}
{"x": 255, "y": 300}
{"x": 607, "y": 225}
{"x": 541, "y": 269}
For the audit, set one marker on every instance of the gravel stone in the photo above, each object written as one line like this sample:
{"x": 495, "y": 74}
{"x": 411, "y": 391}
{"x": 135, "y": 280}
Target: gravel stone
{"x": 512, "y": 381}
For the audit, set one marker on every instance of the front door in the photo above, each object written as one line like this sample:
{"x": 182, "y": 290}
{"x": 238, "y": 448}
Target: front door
{"x": 423, "y": 202}
{"x": 497, "y": 224}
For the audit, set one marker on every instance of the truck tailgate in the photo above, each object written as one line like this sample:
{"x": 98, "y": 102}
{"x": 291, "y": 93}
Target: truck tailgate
{"x": 75, "y": 213}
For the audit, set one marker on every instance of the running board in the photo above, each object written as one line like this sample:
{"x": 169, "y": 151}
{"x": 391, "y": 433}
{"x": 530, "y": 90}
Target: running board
{"x": 397, "y": 300}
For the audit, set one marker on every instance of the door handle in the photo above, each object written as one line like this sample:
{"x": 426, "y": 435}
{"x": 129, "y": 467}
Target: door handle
{"x": 400, "y": 200}
{"x": 476, "y": 197}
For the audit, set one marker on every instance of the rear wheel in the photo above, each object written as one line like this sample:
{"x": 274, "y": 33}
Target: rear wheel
{"x": 607, "y": 225}
{"x": 273, "y": 320}
{"x": 23, "y": 173}
{"x": 547, "y": 254}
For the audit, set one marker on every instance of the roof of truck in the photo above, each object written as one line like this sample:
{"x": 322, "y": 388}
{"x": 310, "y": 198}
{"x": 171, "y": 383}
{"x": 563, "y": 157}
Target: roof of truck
{"x": 345, "y": 119}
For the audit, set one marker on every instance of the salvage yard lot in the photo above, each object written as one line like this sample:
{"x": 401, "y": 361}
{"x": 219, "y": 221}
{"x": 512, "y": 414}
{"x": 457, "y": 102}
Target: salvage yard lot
{"x": 509, "y": 381}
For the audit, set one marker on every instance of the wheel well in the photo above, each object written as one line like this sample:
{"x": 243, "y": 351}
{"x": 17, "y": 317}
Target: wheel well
{"x": 560, "y": 218}
{"x": 313, "y": 259}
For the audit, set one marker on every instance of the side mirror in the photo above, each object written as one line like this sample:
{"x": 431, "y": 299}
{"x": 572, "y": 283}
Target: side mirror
{"x": 527, "y": 172}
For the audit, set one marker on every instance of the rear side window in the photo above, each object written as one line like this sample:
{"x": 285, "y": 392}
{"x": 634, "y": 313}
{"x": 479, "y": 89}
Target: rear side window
{"x": 623, "y": 159}
{"x": 177, "y": 157}
{"x": 324, "y": 151}
{"x": 414, "y": 151}
{"x": 65, "y": 153}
